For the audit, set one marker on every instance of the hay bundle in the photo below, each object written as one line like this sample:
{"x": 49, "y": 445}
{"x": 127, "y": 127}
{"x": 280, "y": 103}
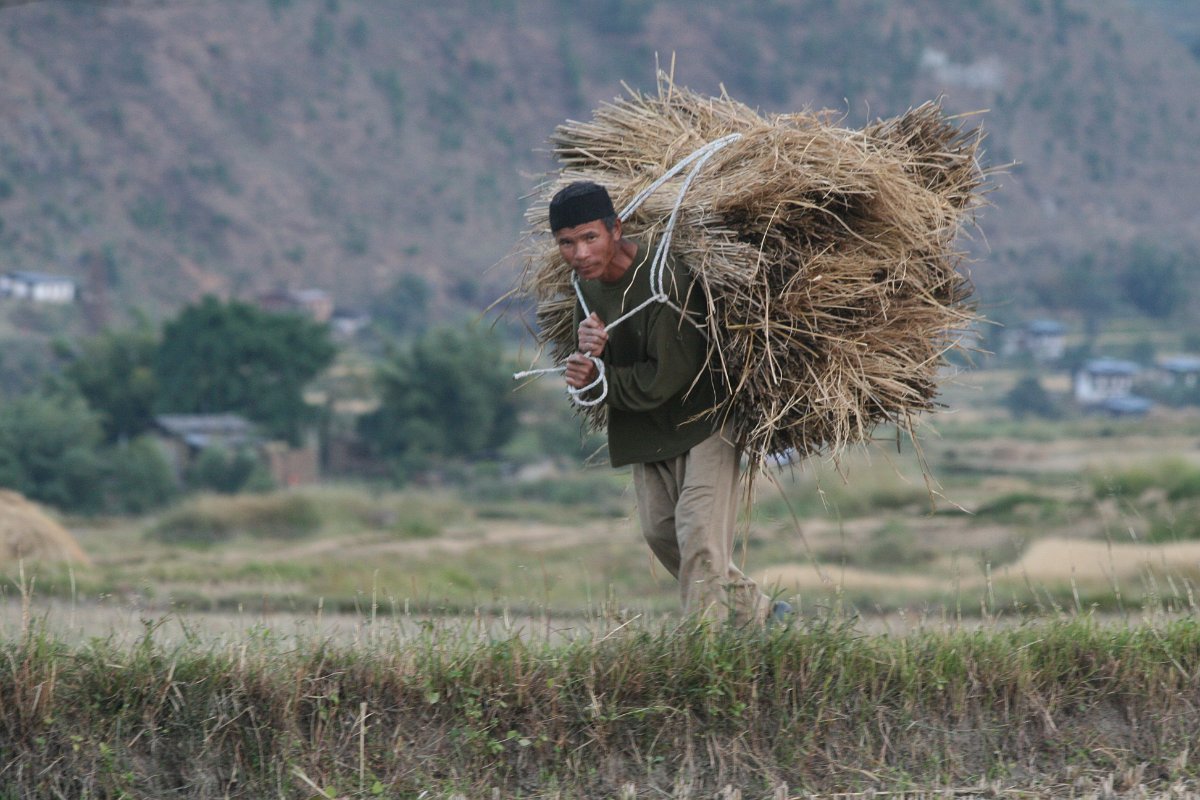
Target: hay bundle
{"x": 826, "y": 254}
{"x": 28, "y": 533}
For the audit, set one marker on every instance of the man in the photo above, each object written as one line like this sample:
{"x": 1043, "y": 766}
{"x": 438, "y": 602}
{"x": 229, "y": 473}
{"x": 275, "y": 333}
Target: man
{"x": 658, "y": 388}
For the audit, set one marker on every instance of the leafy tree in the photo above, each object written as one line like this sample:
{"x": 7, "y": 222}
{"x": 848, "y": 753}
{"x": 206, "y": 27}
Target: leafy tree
{"x": 140, "y": 478}
{"x": 446, "y": 396}
{"x": 233, "y": 357}
{"x": 1028, "y": 398}
{"x": 25, "y": 365}
{"x": 115, "y": 374}
{"x": 1087, "y": 287}
{"x": 403, "y": 308}
{"x": 48, "y": 451}
{"x": 1153, "y": 281}
{"x": 228, "y": 472}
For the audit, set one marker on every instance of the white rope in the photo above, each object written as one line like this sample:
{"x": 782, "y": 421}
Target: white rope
{"x": 576, "y": 394}
{"x": 658, "y": 266}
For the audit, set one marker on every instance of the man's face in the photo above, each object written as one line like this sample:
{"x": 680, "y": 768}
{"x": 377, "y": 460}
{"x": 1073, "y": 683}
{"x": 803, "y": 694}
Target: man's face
{"x": 590, "y": 249}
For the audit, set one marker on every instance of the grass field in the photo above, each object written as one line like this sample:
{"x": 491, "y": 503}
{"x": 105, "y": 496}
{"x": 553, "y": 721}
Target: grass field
{"x": 1021, "y": 625}
{"x": 1087, "y": 515}
{"x": 1058, "y": 709}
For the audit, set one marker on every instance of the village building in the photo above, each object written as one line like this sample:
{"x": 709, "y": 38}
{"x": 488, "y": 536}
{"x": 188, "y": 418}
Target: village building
{"x": 1043, "y": 339}
{"x": 1100, "y": 381}
{"x": 184, "y": 436}
{"x": 346, "y": 323}
{"x": 38, "y": 287}
{"x": 1178, "y": 371}
{"x": 314, "y": 303}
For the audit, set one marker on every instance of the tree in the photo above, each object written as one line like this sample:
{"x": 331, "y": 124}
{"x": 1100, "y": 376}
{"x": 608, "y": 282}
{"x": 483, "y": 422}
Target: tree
{"x": 1087, "y": 286}
{"x": 233, "y": 357}
{"x": 229, "y": 472}
{"x": 448, "y": 395}
{"x": 115, "y": 374}
{"x": 139, "y": 477}
{"x": 1028, "y": 397}
{"x": 1153, "y": 281}
{"x": 403, "y": 309}
{"x": 48, "y": 451}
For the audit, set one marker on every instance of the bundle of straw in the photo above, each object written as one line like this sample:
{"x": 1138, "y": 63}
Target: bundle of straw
{"x": 826, "y": 255}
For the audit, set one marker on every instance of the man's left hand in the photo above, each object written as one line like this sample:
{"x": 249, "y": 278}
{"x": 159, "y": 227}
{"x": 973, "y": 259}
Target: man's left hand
{"x": 580, "y": 371}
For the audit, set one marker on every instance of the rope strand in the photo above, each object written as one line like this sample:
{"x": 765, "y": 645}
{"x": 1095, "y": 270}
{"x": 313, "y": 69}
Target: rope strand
{"x": 657, "y": 266}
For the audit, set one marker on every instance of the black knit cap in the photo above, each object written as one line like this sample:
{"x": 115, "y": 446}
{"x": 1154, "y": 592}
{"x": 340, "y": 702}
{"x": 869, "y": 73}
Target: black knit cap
{"x": 579, "y": 202}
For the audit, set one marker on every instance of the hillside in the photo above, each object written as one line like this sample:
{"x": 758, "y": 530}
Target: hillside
{"x": 161, "y": 150}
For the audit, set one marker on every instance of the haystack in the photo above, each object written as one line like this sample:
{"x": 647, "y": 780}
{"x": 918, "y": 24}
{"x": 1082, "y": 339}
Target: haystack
{"x": 28, "y": 533}
{"x": 827, "y": 255}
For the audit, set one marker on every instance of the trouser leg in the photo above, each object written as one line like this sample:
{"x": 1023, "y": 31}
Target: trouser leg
{"x": 706, "y": 518}
{"x": 688, "y": 510}
{"x": 657, "y": 492}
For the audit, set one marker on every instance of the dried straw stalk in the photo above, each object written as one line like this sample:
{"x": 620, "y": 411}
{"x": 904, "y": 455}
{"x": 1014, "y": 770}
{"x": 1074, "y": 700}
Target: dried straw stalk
{"x": 826, "y": 255}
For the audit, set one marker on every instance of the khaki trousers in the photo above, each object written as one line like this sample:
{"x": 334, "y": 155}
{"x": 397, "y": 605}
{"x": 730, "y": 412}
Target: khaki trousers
{"x": 688, "y": 509}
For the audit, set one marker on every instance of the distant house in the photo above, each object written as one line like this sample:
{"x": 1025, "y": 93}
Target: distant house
{"x": 347, "y": 322}
{"x": 1044, "y": 339}
{"x": 1126, "y": 406}
{"x": 184, "y": 436}
{"x": 1102, "y": 379}
{"x": 38, "y": 287}
{"x": 314, "y": 303}
{"x": 1178, "y": 371}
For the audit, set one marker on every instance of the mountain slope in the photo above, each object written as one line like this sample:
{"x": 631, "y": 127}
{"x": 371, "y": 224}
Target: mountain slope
{"x": 161, "y": 150}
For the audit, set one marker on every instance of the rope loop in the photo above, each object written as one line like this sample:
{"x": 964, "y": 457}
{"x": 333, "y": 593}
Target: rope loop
{"x": 577, "y": 394}
{"x": 657, "y": 265}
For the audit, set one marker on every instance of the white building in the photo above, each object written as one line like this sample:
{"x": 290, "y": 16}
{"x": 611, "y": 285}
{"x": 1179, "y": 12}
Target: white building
{"x": 39, "y": 287}
{"x": 1102, "y": 379}
{"x": 1180, "y": 370}
{"x": 1044, "y": 339}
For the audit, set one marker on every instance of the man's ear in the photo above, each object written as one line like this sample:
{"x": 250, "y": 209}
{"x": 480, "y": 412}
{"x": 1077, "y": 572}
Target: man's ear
{"x": 617, "y": 227}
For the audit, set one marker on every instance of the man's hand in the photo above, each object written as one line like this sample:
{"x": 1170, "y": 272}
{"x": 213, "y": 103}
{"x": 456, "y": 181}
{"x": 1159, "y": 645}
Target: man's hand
{"x": 592, "y": 335}
{"x": 580, "y": 371}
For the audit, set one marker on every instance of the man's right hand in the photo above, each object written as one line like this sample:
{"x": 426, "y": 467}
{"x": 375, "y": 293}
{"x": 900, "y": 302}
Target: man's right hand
{"x": 580, "y": 371}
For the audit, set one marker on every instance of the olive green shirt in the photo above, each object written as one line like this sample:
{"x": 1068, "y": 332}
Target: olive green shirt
{"x": 655, "y": 363}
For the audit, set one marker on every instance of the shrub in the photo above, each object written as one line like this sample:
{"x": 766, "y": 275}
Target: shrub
{"x": 210, "y": 519}
{"x": 277, "y": 516}
{"x": 894, "y": 545}
{"x": 417, "y": 525}
{"x": 1179, "y": 479}
{"x": 139, "y": 477}
{"x": 1180, "y": 527}
{"x": 1028, "y": 397}
{"x": 47, "y": 451}
{"x": 594, "y": 495}
{"x": 1154, "y": 281}
{"x": 219, "y": 470}
{"x": 1184, "y": 484}
{"x": 1017, "y": 505}
{"x": 193, "y": 525}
